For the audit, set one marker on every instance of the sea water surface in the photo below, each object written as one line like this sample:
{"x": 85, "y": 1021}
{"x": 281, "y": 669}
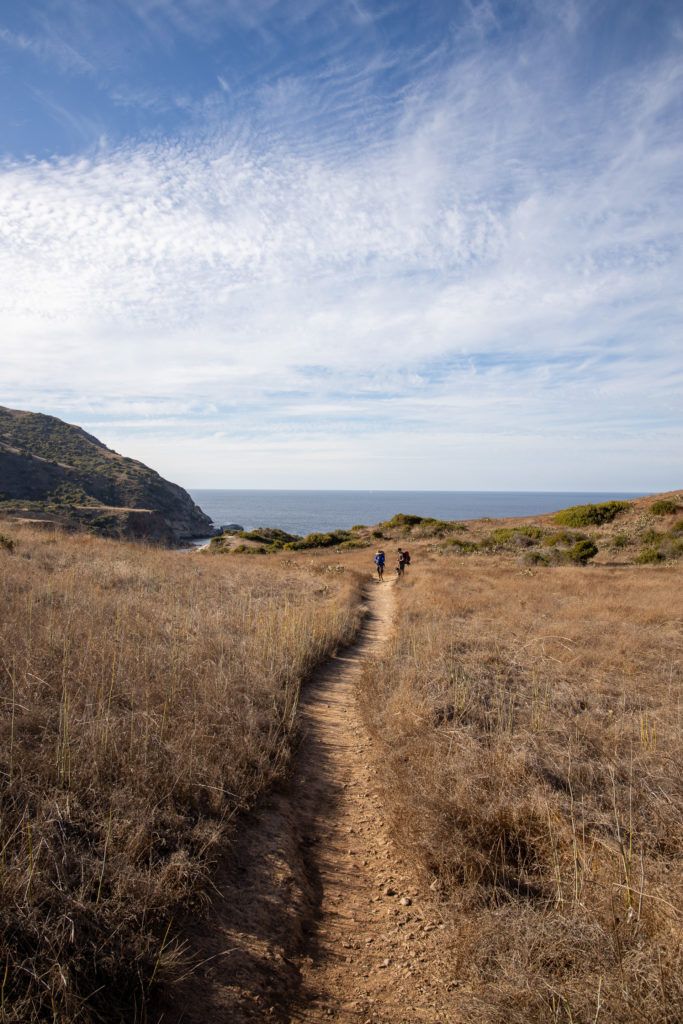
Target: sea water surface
{"x": 305, "y": 512}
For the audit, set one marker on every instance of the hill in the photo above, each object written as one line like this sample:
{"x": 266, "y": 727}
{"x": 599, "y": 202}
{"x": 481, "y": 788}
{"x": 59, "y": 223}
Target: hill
{"x": 642, "y": 530}
{"x": 56, "y": 472}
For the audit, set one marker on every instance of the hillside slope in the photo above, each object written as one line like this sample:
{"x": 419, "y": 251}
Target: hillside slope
{"x": 56, "y": 471}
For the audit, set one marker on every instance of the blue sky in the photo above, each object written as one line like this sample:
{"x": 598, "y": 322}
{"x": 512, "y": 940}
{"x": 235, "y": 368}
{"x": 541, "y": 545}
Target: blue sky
{"x": 349, "y": 244}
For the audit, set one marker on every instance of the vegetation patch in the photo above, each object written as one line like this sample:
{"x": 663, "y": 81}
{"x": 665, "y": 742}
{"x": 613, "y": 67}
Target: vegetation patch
{"x": 6, "y": 543}
{"x": 665, "y": 507}
{"x": 591, "y": 515}
{"x": 268, "y": 535}
{"x": 321, "y": 540}
{"x": 527, "y": 738}
{"x": 462, "y": 547}
{"x": 562, "y": 538}
{"x": 581, "y": 552}
{"x": 512, "y": 537}
{"x": 437, "y": 528}
{"x": 660, "y": 547}
{"x": 402, "y": 519}
{"x": 148, "y": 696}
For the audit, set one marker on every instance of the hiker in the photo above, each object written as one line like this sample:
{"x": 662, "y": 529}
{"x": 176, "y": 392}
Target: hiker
{"x": 401, "y": 565}
{"x": 379, "y": 562}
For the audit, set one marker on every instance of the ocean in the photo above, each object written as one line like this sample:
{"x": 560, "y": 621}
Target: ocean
{"x": 305, "y": 512}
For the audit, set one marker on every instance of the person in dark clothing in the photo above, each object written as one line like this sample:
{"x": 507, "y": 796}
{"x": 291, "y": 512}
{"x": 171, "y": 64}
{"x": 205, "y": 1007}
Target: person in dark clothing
{"x": 401, "y": 565}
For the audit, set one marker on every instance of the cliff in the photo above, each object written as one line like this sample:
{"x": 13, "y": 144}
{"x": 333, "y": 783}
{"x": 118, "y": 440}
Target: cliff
{"x": 56, "y": 472}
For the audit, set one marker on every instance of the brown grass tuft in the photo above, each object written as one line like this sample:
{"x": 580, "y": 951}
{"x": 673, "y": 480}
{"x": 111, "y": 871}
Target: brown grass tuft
{"x": 146, "y": 696}
{"x": 529, "y": 727}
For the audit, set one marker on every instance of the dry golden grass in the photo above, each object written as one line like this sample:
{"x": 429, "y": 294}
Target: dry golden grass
{"x": 529, "y": 730}
{"x": 145, "y": 697}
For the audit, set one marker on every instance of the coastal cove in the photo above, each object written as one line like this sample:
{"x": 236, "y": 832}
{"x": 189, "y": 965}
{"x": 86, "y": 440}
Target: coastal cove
{"x": 303, "y": 512}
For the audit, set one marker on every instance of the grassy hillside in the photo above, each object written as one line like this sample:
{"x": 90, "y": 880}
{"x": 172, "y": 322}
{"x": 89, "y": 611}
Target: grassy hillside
{"x": 528, "y": 739}
{"x": 51, "y": 468}
{"x": 645, "y": 530}
{"x": 145, "y": 697}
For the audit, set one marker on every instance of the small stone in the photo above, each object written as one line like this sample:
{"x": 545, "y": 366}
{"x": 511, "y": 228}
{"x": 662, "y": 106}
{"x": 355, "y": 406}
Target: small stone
{"x": 406, "y": 901}
{"x": 389, "y": 891}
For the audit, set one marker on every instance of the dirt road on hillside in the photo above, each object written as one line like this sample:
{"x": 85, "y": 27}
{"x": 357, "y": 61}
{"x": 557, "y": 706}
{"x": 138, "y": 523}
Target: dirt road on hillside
{"x": 314, "y": 917}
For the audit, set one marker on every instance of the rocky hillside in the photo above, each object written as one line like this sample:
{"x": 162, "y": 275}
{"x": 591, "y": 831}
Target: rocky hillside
{"x": 56, "y": 472}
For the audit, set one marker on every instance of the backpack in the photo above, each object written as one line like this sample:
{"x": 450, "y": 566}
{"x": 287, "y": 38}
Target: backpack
{"x": 406, "y": 557}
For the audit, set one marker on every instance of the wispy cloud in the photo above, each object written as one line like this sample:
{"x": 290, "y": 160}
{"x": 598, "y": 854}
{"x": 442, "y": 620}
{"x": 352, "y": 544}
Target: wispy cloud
{"x": 487, "y": 291}
{"x": 47, "y": 48}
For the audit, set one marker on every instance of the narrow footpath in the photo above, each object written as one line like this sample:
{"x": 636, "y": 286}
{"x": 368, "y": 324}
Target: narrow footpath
{"x": 315, "y": 918}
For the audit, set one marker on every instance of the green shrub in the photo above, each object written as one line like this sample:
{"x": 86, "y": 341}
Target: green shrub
{"x": 320, "y": 540}
{"x": 378, "y": 534}
{"x": 563, "y": 538}
{"x": 620, "y": 540}
{"x": 401, "y": 520}
{"x": 517, "y": 536}
{"x": 6, "y": 543}
{"x": 591, "y": 515}
{"x": 269, "y": 535}
{"x": 462, "y": 547}
{"x": 582, "y": 552}
{"x": 659, "y": 547}
{"x": 649, "y": 555}
{"x": 534, "y": 558}
{"x": 664, "y": 507}
{"x": 357, "y": 543}
{"x": 69, "y": 494}
{"x": 677, "y": 527}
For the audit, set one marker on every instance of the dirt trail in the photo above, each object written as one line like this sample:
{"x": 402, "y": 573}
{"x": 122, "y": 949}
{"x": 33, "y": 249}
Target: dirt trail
{"x": 315, "y": 919}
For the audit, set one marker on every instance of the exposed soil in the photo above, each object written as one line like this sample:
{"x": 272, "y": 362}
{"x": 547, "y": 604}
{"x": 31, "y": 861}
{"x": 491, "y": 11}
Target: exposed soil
{"x": 314, "y": 917}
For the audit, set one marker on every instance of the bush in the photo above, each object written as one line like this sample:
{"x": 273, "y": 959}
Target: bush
{"x": 620, "y": 540}
{"x": 534, "y": 558}
{"x": 582, "y": 552}
{"x": 563, "y": 537}
{"x": 320, "y": 540}
{"x": 462, "y": 547}
{"x": 401, "y": 519}
{"x": 650, "y": 555}
{"x": 664, "y": 507}
{"x": 269, "y": 535}
{"x": 6, "y": 543}
{"x": 659, "y": 547}
{"x": 515, "y": 536}
{"x": 591, "y": 515}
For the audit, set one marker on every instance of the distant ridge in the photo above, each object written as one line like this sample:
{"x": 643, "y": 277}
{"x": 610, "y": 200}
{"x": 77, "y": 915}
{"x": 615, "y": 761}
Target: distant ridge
{"x": 53, "y": 471}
